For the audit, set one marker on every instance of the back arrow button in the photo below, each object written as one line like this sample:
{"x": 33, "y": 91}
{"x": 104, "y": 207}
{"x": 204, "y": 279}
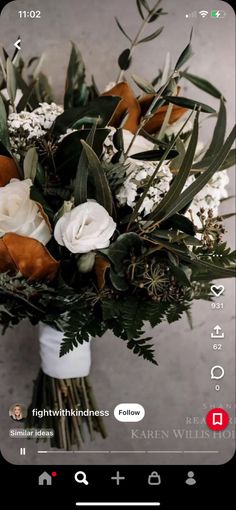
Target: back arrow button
{"x": 17, "y": 44}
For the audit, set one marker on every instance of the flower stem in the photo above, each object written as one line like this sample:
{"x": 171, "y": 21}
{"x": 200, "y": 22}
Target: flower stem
{"x": 135, "y": 40}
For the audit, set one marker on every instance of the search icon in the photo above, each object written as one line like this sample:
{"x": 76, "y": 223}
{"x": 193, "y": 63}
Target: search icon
{"x": 217, "y": 372}
{"x": 80, "y": 477}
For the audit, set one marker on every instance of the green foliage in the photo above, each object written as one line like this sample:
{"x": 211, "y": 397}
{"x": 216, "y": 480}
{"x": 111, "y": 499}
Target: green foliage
{"x": 150, "y": 272}
{"x": 202, "y": 84}
{"x": 102, "y": 107}
{"x": 164, "y": 209}
{"x": 185, "y": 55}
{"x": 75, "y": 92}
{"x": 191, "y": 104}
{"x": 3, "y": 124}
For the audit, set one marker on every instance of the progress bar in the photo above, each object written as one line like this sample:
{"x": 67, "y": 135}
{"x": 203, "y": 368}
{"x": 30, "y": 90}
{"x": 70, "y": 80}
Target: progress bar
{"x": 118, "y": 504}
{"x": 124, "y": 451}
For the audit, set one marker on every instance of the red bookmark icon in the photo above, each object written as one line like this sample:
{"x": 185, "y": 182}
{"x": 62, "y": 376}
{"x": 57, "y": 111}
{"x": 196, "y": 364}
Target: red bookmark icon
{"x": 217, "y": 419}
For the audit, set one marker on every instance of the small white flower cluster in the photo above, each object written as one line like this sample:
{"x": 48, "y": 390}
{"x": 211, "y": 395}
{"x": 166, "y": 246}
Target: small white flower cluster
{"x": 137, "y": 178}
{"x": 68, "y": 132}
{"x": 26, "y": 127}
{"x": 210, "y": 196}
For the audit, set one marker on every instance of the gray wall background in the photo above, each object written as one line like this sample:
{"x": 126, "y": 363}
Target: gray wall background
{"x": 180, "y": 386}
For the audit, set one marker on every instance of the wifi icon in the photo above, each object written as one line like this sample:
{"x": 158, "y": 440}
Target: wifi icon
{"x": 203, "y": 14}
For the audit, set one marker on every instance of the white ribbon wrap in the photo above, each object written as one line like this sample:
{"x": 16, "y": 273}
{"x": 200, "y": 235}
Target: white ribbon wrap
{"x": 74, "y": 364}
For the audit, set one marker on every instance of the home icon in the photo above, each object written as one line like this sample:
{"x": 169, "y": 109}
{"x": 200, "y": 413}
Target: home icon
{"x": 45, "y": 479}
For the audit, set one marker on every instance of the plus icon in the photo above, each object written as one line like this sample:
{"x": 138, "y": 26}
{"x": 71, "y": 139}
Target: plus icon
{"x": 117, "y": 478}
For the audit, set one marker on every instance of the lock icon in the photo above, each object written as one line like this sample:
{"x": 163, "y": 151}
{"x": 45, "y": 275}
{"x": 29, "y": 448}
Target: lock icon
{"x": 154, "y": 478}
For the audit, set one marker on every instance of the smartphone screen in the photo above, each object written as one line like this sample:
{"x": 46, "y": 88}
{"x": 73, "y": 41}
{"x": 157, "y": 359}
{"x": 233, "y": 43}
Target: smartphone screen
{"x": 117, "y": 233}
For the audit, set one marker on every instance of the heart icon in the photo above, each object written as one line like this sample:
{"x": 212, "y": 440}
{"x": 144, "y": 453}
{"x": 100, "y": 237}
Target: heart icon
{"x": 217, "y": 290}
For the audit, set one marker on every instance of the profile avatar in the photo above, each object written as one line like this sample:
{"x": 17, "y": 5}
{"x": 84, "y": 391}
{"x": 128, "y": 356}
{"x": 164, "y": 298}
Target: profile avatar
{"x": 17, "y": 412}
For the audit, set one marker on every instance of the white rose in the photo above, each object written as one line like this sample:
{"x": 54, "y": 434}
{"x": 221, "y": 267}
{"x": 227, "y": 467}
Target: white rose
{"x": 86, "y": 227}
{"x": 21, "y": 215}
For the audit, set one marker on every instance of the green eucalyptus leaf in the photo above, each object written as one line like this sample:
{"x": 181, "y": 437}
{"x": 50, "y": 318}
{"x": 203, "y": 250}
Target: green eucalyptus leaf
{"x": 25, "y": 99}
{"x": 124, "y": 60}
{"x": 69, "y": 151}
{"x": 153, "y": 155}
{"x": 143, "y": 84}
{"x": 176, "y": 162}
{"x": 43, "y": 90}
{"x": 186, "y": 197}
{"x": 81, "y": 179}
{"x": 151, "y": 180}
{"x": 185, "y": 55}
{"x": 122, "y": 30}
{"x": 139, "y": 4}
{"x": 3, "y": 124}
{"x": 75, "y": 78}
{"x": 160, "y": 212}
{"x": 156, "y": 15}
{"x": 30, "y": 164}
{"x": 191, "y": 104}
{"x": 217, "y": 139}
{"x": 202, "y": 84}
{"x": 230, "y": 160}
{"x": 101, "y": 187}
{"x": 11, "y": 81}
{"x": 151, "y": 36}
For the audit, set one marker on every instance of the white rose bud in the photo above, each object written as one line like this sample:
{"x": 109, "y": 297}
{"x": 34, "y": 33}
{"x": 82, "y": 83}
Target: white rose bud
{"x": 86, "y": 227}
{"x": 21, "y": 215}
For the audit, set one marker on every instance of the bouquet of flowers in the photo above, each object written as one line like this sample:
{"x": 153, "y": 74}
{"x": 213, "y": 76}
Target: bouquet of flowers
{"x": 108, "y": 215}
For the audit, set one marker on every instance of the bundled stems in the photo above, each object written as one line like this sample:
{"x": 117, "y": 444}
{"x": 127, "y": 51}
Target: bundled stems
{"x": 63, "y": 396}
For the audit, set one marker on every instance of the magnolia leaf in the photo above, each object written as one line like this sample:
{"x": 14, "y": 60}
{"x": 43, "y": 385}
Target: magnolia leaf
{"x": 102, "y": 107}
{"x": 30, "y": 164}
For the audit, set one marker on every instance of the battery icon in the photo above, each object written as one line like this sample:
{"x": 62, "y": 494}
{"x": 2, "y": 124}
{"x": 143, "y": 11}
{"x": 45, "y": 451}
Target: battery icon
{"x": 218, "y": 14}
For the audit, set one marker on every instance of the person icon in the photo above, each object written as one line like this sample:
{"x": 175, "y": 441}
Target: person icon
{"x": 17, "y": 412}
{"x": 190, "y": 480}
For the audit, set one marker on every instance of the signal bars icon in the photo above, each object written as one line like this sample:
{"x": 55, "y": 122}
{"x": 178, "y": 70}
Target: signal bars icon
{"x": 191, "y": 15}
